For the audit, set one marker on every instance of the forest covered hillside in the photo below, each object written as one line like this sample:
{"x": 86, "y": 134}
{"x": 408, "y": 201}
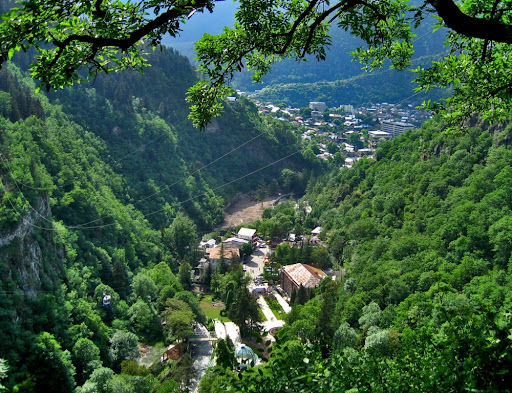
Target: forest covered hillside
{"x": 423, "y": 234}
{"x": 361, "y": 89}
{"x": 103, "y": 191}
{"x": 336, "y": 80}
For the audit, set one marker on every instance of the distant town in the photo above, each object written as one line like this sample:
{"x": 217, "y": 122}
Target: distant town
{"x": 351, "y": 131}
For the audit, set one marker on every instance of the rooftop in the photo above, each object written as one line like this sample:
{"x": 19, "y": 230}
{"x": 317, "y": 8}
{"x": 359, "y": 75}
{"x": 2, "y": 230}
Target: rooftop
{"x": 215, "y": 253}
{"x": 247, "y": 232}
{"x": 305, "y": 275}
{"x": 235, "y": 240}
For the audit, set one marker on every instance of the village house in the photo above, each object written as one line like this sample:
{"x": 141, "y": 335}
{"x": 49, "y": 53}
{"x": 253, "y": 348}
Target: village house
{"x": 218, "y": 253}
{"x": 293, "y": 276}
{"x": 316, "y": 231}
{"x": 248, "y": 234}
{"x": 172, "y": 352}
{"x": 234, "y": 242}
{"x": 213, "y": 256}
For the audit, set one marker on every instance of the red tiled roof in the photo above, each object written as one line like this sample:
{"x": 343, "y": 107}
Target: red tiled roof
{"x": 215, "y": 253}
{"x": 306, "y": 275}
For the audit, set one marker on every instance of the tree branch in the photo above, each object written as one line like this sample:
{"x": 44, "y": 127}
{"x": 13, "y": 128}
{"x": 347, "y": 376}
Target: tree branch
{"x": 499, "y": 89}
{"x": 348, "y": 4}
{"x": 471, "y": 26}
{"x": 97, "y": 9}
{"x": 486, "y": 42}
{"x": 137, "y": 34}
{"x": 296, "y": 24}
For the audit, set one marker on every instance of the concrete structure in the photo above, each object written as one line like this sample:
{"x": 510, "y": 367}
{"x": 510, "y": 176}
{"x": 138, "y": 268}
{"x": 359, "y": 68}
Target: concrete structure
{"x": 318, "y": 106}
{"x": 380, "y": 134}
{"x": 395, "y": 128}
{"x": 293, "y": 276}
{"x": 248, "y": 234}
{"x": 347, "y": 108}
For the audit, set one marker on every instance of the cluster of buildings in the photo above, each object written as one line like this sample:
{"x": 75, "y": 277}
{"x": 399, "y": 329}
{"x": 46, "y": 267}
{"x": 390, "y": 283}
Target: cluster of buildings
{"x": 228, "y": 250}
{"x": 320, "y": 125}
{"x": 292, "y": 277}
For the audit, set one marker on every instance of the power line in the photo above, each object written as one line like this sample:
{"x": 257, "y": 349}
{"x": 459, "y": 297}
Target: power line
{"x": 198, "y": 170}
{"x": 231, "y": 182}
{"x": 138, "y": 149}
{"x": 86, "y": 225}
{"x": 146, "y": 215}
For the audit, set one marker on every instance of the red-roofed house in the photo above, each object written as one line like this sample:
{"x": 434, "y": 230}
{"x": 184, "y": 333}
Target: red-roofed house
{"x": 217, "y": 253}
{"x": 293, "y": 276}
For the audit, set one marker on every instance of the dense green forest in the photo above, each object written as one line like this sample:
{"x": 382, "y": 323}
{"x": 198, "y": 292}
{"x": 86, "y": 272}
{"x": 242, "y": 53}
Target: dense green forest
{"x": 103, "y": 190}
{"x": 423, "y": 234}
{"x": 341, "y": 80}
{"x": 362, "y": 89}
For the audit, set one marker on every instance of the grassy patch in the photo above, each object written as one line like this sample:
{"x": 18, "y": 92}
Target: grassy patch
{"x": 274, "y": 306}
{"x": 262, "y": 316}
{"x": 211, "y": 310}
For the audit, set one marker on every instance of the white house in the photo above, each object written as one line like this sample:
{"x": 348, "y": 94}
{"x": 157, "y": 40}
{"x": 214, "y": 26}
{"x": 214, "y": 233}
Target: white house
{"x": 248, "y": 234}
{"x": 316, "y": 231}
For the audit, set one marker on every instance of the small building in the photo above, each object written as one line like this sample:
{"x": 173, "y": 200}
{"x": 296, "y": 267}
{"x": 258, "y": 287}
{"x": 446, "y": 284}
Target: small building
{"x": 293, "y": 276}
{"x": 200, "y": 270}
{"x": 380, "y": 134}
{"x": 318, "y": 106}
{"x": 316, "y": 231}
{"x": 234, "y": 242}
{"x": 260, "y": 289}
{"x": 245, "y": 356}
{"x": 217, "y": 253}
{"x": 173, "y": 352}
{"x": 208, "y": 244}
{"x": 248, "y": 234}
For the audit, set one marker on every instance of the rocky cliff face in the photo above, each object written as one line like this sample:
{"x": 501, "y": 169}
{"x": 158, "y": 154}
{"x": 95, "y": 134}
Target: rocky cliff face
{"x": 28, "y": 252}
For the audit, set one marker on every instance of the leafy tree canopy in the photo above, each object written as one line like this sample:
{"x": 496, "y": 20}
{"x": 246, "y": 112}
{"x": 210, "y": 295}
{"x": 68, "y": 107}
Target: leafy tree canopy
{"x": 74, "y": 40}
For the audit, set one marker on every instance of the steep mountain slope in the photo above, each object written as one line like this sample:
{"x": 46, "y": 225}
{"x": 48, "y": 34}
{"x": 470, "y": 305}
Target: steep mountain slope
{"x": 92, "y": 180}
{"x": 366, "y": 88}
{"x": 147, "y": 117}
{"x": 423, "y": 234}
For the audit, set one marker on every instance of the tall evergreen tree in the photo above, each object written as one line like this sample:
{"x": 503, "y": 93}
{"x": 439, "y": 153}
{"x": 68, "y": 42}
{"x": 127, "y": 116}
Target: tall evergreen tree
{"x": 244, "y": 310}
